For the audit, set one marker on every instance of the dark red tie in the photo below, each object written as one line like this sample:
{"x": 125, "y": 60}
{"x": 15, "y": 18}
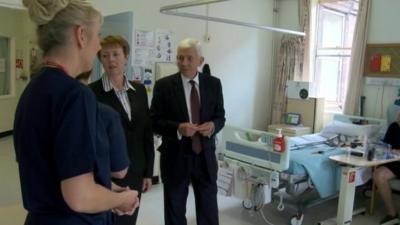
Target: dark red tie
{"x": 195, "y": 110}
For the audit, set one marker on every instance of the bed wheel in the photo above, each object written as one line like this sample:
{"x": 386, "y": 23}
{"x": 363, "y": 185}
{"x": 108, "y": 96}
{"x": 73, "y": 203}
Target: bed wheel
{"x": 297, "y": 219}
{"x": 367, "y": 193}
{"x": 247, "y": 204}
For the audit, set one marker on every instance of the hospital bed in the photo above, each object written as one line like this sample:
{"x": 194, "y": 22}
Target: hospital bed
{"x": 302, "y": 175}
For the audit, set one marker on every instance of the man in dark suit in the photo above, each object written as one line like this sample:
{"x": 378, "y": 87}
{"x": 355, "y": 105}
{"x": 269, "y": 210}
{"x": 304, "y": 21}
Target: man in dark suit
{"x": 187, "y": 110}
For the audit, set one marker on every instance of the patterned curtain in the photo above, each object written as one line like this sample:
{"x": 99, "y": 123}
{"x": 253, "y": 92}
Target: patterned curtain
{"x": 293, "y": 62}
{"x": 290, "y": 65}
{"x": 304, "y": 20}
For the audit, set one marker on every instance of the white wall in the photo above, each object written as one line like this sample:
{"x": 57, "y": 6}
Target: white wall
{"x": 288, "y": 16}
{"x": 14, "y": 24}
{"x": 383, "y": 28}
{"x": 239, "y": 56}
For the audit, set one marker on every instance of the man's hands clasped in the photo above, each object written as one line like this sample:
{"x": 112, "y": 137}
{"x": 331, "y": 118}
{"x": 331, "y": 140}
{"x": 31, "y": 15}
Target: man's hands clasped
{"x": 189, "y": 129}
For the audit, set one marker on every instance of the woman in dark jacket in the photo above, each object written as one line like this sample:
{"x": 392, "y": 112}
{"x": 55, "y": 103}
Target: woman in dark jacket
{"x": 129, "y": 99}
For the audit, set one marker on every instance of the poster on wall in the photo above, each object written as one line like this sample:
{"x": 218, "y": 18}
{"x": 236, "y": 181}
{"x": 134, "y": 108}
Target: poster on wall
{"x": 151, "y": 47}
{"x": 144, "y": 38}
{"x": 143, "y": 56}
{"x": 137, "y": 75}
{"x": 164, "y": 46}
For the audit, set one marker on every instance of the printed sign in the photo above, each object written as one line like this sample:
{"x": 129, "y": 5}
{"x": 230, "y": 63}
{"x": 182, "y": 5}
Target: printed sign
{"x": 352, "y": 176}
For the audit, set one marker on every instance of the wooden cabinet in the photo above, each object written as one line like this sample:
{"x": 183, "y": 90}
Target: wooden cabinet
{"x": 311, "y": 111}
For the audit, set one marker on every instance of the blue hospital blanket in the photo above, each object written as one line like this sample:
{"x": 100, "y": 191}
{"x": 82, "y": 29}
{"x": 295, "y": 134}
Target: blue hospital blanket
{"x": 323, "y": 172}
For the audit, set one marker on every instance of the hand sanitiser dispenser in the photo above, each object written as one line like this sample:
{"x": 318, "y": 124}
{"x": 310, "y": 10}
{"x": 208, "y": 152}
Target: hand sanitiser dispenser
{"x": 279, "y": 142}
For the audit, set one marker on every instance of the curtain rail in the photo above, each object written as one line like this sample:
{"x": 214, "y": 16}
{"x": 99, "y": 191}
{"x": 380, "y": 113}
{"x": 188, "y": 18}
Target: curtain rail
{"x": 171, "y": 10}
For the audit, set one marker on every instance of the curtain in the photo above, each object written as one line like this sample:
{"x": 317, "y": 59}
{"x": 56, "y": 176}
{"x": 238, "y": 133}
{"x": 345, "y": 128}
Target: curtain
{"x": 289, "y": 65}
{"x": 355, "y": 83}
{"x": 293, "y": 62}
{"x": 304, "y": 21}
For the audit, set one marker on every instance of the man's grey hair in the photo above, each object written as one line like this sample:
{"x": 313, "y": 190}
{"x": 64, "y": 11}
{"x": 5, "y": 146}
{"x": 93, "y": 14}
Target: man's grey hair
{"x": 191, "y": 43}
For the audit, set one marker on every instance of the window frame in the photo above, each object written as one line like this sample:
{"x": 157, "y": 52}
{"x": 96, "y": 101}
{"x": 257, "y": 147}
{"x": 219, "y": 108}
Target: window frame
{"x": 342, "y": 53}
{"x": 12, "y": 69}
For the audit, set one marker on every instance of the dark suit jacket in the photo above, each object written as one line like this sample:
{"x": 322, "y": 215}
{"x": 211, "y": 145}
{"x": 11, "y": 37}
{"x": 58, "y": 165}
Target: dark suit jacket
{"x": 168, "y": 110}
{"x": 138, "y": 132}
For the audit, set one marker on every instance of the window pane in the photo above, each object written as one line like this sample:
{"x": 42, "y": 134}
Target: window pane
{"x": 327, "y": 76}
{"x": 335, "y": 31}
{"x": 332, "y": 27}
{"x": 4, "y": 66}
{"x": 351, "y": 24}
{"x": 334, "y": 52}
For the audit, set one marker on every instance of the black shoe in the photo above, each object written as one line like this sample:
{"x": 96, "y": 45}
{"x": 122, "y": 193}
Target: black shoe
{"x": 389, "y": 218}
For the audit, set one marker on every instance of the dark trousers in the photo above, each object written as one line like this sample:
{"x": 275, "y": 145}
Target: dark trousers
{"x": 205, "y": 193}
{"x": 135, "y": 182}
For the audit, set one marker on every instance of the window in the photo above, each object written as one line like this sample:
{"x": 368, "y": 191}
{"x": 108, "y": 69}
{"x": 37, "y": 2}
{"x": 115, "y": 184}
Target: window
{"x": 335, "y": 30}
{"x": 5, "y": 68}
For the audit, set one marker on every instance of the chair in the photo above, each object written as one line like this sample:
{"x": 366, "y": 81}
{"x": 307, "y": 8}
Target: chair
{"x": 394, "y": 183}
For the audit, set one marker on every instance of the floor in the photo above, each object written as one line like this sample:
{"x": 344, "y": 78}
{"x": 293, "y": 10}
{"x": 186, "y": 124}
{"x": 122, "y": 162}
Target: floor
{"x": 151, "y": 211}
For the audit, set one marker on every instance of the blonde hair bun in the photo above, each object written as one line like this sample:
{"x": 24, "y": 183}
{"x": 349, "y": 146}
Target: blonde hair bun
{"x": 43, "y": 11}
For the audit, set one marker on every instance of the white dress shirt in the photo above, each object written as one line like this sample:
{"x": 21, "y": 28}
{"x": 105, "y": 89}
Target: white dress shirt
{"x": 121, "y": 94}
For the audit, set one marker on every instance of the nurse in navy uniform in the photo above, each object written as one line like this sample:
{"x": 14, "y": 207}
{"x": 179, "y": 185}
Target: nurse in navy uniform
{"x": 65, "y": 177}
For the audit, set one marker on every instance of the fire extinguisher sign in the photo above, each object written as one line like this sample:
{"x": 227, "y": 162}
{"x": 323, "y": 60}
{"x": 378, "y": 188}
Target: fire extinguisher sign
{"x": 19, "y": 63}
{"x": 352, "y": 176}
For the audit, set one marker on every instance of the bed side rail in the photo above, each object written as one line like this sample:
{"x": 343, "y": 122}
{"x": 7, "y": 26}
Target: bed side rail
{"x": 254, "y": 147}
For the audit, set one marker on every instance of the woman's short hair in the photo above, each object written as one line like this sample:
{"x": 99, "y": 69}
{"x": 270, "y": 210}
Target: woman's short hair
{"x": 112, "y": 40}
{"x": 191, "y": 43}
{"x": 55, "y": 17}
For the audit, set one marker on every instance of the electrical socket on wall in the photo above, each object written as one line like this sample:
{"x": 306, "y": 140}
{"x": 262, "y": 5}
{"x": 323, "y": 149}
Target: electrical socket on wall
{"x": 207, "y": 38}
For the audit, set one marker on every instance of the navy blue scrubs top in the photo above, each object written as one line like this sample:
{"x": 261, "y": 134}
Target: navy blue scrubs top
{"x": 55, "y": 139}
{"x": 112, "y": 137}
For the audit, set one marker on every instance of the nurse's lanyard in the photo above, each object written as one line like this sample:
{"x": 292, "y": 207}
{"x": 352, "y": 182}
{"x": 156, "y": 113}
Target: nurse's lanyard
{"x": 56, "y": 65}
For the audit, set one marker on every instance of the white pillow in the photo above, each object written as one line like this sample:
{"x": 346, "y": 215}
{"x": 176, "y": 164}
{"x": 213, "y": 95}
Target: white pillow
{"x": 349, "y": 129}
